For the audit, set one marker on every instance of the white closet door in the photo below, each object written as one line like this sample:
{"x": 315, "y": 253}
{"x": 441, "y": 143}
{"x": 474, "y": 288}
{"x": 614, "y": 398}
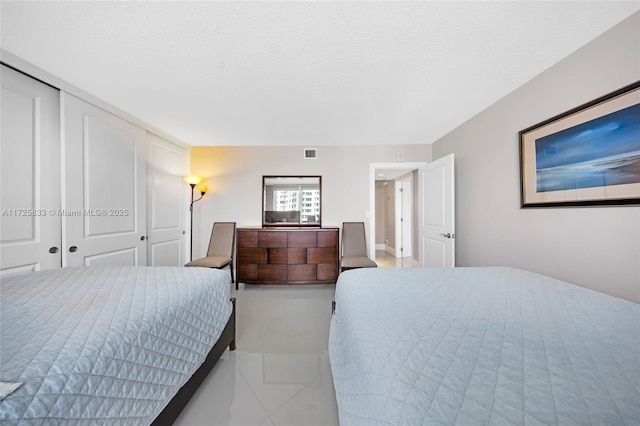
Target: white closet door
{"x": 167, "y": 199}
{"x": 29, "y": 174}
{"x": 104, "y": 187}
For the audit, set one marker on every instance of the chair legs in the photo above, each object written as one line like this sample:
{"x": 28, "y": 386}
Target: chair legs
{"x": 232, "y": 277}
{"x": 233, "y": 280}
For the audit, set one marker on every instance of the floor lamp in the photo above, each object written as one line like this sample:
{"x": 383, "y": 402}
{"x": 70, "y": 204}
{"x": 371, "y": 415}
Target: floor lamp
{"x": 193, "y": 181}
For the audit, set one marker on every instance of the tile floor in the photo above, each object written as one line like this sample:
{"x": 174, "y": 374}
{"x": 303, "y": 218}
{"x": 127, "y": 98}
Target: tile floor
{"x": 385, "y": 260}
{"x": 279, "y": 374}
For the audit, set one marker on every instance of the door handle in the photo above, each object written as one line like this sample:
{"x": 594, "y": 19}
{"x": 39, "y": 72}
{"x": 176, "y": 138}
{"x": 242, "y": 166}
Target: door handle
{"x": 53, "y": 250}
{"x": 73, "y": 249}
{"x": 448, "y": 235}
{"x": 143, "y": 238}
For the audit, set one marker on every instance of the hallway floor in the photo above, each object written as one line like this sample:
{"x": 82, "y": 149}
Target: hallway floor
{"x": 385, "y": 260}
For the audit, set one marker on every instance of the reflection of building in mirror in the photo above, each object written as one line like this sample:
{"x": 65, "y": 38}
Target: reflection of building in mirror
{"x": 291, "y": 200}
{"x": 310, "y": 206}
{"x": 306, "y": 202}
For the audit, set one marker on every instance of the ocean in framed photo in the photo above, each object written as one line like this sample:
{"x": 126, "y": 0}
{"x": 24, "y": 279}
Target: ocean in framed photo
{"x": 601, "y": 152}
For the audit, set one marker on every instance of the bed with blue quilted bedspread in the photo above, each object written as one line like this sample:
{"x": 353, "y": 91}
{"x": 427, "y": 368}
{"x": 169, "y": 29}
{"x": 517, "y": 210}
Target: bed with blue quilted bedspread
{"x": 105, "y": 345}
{"x": 475, "y": 346}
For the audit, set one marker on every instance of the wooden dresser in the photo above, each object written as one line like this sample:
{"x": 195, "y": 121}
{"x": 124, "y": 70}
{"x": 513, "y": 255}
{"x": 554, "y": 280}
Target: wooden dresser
{"x": 287, "y": 255}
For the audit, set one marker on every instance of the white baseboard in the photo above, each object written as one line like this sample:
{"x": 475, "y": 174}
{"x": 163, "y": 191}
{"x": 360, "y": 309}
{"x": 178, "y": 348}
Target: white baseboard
{"x": 386, "y": 249}
{"x": 392, "y": 252}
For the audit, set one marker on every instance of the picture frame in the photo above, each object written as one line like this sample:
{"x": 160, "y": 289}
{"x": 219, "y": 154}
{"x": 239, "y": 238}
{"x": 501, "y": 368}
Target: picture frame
{"x": 588, "y": 156}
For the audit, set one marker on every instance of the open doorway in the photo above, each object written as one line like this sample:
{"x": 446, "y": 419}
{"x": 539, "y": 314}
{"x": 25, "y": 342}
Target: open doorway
{"x": 404, "y": 217}
{"x": 393, "y": 213}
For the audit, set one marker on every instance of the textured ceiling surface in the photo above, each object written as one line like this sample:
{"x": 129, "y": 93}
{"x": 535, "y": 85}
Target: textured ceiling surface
{"x": 302, "y": 73}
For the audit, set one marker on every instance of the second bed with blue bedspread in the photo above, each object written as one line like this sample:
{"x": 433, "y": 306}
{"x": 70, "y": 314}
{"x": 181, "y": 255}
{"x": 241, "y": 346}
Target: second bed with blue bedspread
{"x": 475, "y": 346}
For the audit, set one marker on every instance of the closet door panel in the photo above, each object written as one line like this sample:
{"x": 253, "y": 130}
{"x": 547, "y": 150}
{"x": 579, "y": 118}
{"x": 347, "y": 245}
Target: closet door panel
{"x": 167, "y": 200}
{"x": 166, "y": 253}
{"x": 104, "y": 180}
{"x": 118, "y": 257}
{"x": 29, "y": 174}
{"x": 109, "y": 164}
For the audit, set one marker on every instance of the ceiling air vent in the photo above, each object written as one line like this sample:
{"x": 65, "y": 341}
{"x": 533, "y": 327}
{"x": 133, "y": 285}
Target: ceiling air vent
{"x": 310, "y": 153}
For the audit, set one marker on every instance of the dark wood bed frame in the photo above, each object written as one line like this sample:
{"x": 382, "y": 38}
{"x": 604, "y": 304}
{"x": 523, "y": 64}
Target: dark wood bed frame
{"x": 227, "y": 339}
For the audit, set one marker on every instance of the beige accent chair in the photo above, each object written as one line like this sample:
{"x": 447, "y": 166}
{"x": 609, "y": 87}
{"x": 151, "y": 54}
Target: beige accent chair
{"x": 220, "y": 252}
{"x": 354, "y": 247}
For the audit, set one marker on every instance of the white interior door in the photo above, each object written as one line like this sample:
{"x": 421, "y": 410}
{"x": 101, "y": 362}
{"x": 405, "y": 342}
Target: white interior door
{"x": 104, "y": 181}
{"x": 437, "y": 213}
{"x": 167, "y": 201}
{"x": 29, "y": 174}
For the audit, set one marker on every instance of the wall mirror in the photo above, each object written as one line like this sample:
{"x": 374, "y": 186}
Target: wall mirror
{"x": 291, "y": 200}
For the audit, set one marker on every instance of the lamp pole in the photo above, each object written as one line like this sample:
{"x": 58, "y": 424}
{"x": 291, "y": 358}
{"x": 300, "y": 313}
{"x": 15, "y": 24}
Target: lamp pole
{"x": 193, "y": 181}
{"x": 193, "y": 185}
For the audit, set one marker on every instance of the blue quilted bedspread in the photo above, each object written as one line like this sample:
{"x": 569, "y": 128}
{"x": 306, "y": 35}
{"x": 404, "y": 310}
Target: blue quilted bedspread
{"x": 105, "y": 345}
{"x": 473, "y": 346}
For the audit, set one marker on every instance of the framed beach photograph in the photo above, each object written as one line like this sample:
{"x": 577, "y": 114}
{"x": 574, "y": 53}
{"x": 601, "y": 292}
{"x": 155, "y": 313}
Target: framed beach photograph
{"x": 584, "y": 157}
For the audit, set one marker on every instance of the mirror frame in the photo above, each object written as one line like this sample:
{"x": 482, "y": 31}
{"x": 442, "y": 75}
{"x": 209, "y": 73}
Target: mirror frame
{"x": 297, "y": 224}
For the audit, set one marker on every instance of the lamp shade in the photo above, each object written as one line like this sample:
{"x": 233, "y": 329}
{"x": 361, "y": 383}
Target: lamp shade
{"x": 203, "y": 188}
{"x": 193, "y": 180}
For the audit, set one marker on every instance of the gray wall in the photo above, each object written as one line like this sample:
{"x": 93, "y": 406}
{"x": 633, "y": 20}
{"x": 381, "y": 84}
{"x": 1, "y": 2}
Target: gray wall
{"x": 234, "y": 177}
{"x": 390, "y": 215}
{"x": 381, "y": 211}
{"x": 595, "y": 247}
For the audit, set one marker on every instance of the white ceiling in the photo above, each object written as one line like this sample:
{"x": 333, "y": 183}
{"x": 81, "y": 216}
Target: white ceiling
{"x": 302, "y": 73}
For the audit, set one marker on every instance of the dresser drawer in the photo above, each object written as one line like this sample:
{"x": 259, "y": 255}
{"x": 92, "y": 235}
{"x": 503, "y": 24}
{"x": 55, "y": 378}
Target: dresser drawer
{"x": 322, "y": 255}
{"x": 272, "y": 239}
{"x": 287, "y": 255}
